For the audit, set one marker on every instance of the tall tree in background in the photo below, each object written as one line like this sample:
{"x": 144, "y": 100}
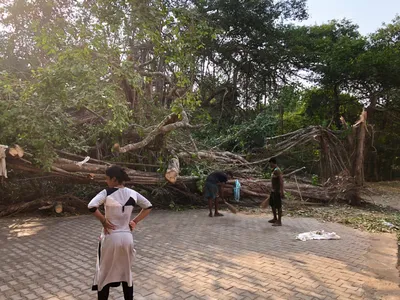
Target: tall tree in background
{"x": 247, "y": 61}
{"x": 330, "y": 52}
{"x": 376, "y": 80}
{"x": 121, "y": 66}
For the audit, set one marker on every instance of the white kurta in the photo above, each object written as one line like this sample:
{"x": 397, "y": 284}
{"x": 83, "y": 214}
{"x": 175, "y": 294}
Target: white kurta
{"x": 116, "y": 252}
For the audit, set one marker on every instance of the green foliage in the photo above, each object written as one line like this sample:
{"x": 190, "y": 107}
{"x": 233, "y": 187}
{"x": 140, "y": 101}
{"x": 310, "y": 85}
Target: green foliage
{"x": 45, "y": 107}
{"x": 243, "y": 136}
{"x": 314, "y": 179}
{"x": 288, "y": 196}
{"x": 376, "y": 70}
{"x": 369, "y": 218}
{"x": 249, "y": 47}
{"x": 200, "y": 170}
{"x": 319, "y": 105}
{"x": 175, "y": 206}
{"x": 266, "y": 175}
{"x": 232, "y": 65}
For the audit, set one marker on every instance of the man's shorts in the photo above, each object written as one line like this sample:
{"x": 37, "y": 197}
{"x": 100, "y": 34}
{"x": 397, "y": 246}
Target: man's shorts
{"x": 210, "y": 190}
{"x": 275, "y": 200}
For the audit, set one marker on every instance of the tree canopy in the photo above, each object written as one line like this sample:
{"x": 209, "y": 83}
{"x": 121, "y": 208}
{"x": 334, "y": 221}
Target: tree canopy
{"x": 84, "y": 75}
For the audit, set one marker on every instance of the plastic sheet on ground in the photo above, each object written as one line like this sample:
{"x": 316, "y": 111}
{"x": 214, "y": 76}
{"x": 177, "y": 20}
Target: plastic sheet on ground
{"x": 390, "y": 225}
{"x": 317, "y": 235}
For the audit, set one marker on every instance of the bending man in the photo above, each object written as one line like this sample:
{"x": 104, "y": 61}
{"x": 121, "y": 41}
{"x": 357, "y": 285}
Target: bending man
{"x": 214, "y": 184}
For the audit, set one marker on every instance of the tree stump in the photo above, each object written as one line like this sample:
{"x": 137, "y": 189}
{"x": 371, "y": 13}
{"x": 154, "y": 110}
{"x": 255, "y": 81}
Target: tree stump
{"x": 58, "y": 207}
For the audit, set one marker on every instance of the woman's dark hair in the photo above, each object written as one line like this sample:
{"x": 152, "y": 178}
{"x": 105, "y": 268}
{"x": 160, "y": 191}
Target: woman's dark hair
{"x": 117, "y": 173}
{"x": 273, "y": 160}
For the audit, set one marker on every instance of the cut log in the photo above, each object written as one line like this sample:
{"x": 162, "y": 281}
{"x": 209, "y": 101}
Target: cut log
{"x": 16, "y": 151}
{"x": 57, "y": 204}
{"x": 173, "y": 170}
{"x": 93, "y": 172}
{"x": 3, "y": 167}
{"x": 58, "y": 207}
{"x": 23, "y": 207}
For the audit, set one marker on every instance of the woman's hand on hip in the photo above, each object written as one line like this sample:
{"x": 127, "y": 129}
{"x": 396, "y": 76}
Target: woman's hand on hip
{"x": 107, "y": 225}
{"x": 132, "y": 225}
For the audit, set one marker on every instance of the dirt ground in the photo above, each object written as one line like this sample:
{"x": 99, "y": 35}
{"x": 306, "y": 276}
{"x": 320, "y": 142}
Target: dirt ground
{"x": 380, "y": 211}
{"x": 384, "y": 193}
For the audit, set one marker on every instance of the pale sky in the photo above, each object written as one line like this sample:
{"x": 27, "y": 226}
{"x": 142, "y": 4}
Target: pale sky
{"x": 368, "y": 14}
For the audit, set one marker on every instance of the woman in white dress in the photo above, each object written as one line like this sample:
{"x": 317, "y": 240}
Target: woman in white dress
{"x": 116, "y": 252}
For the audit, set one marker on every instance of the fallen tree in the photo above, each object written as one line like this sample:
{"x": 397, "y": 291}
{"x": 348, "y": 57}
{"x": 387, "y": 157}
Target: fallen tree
{"x": 88, "y": 172}
{"x": 61, "y": 204}
{"x": 342, "y": 179}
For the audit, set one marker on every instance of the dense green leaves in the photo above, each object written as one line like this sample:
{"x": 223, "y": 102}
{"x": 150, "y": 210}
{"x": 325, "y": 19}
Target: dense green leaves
{"x": 75, "y": 74}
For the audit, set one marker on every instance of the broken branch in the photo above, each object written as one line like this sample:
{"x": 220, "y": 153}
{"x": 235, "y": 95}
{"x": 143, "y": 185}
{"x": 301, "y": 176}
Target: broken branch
{"x": 169, "y": 123}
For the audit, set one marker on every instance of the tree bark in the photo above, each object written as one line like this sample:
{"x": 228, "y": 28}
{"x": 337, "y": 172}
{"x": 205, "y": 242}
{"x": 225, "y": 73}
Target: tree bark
{"x": 129, "y": 93}
{"x": 358, "y": 167}
{"x": 371, "y": 154}
{"x": 170, "y": 123}
{"x": 89, "y": 173}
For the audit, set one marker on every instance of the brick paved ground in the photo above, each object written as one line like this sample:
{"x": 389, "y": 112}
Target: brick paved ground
{"x": 187, "y": 255}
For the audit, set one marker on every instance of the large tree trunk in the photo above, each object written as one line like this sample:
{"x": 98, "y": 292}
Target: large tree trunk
{"x": 92, "y": 172}
{"x": 334, "y": 156}
{"x": 358, "y": 166}
{"x": 371, "y": 154}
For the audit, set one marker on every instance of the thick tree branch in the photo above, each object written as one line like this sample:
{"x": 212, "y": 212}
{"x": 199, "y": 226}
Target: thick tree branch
{"x": 170, "y": 123}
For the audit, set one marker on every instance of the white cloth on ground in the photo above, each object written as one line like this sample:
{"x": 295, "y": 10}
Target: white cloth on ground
{"x": 317, "y": 235}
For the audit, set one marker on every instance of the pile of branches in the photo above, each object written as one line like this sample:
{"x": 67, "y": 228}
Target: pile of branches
{"x": 327, "y": 193}
{"x": 340, "y": 183}
{"x": 333, "y": 153}
{"x": 81, "y": 170}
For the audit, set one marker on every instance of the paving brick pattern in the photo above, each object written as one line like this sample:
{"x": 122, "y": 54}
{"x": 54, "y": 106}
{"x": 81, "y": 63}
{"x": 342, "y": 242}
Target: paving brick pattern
{"x": 187, "y": 255}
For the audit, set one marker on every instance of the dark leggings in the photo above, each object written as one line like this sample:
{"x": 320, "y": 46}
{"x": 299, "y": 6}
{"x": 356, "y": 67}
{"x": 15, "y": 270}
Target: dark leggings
{"x": 128, "y": 292}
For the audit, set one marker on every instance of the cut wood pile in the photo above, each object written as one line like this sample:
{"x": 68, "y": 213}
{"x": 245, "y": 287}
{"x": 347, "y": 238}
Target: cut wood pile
{"x": 341, "y": 178}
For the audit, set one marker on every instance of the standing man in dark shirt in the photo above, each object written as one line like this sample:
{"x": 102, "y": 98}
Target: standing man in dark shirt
{"x": 214, "y": 184}
{"x": 275, "y": 199}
